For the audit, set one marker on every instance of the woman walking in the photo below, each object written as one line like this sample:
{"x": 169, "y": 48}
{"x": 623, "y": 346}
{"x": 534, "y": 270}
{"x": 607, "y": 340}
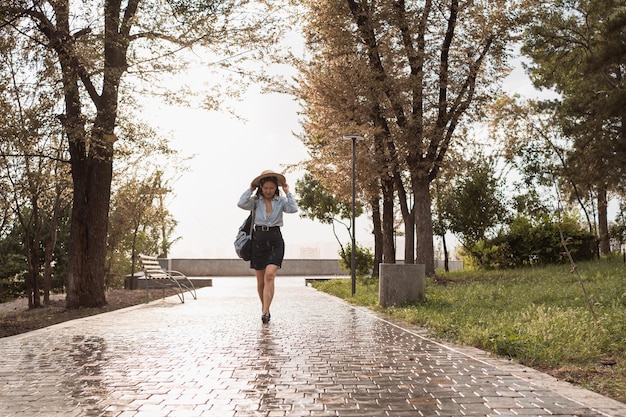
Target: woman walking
{"x": 268, "y": 247}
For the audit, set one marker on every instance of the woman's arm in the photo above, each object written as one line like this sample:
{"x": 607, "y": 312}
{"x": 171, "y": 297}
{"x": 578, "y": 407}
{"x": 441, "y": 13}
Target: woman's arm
{"x": 246, "y": 201}
{"x": 290, "y": 205}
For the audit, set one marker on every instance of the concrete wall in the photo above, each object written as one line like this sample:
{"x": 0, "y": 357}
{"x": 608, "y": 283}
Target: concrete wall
{"x": 239, "y": 268}
{"x": 452, "y": 265}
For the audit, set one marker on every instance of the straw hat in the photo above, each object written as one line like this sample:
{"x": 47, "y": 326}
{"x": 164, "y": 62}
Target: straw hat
{"x": 269, "y": 173}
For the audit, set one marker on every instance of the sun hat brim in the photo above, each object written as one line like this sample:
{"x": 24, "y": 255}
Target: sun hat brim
{"x": 281, "y": 178}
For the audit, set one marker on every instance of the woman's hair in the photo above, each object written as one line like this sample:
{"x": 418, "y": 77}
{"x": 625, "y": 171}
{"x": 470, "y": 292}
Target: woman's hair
{"x": 268, "y": 179}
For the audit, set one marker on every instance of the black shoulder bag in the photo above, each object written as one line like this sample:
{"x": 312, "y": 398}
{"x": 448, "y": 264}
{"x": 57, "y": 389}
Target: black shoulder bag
{"x": 243, "y": 241}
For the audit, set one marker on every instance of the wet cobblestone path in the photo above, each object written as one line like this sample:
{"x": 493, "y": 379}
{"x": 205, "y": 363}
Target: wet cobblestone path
{"x": 213, "y": 357}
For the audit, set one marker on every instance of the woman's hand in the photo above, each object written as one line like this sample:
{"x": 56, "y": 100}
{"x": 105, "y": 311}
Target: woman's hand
{"x": 286, "y": 188}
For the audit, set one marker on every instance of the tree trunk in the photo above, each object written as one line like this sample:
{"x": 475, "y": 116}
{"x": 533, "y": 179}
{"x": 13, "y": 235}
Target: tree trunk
{"x": 91, "y": 158}
{"x": 409, "y": 238}
{"x": 446, "y": 266}
{"x": 34, "y": 237}
{"x": 91, "y": 162}
{"x": 408, "y": 214}
{"x": 31, "y": 229}
{"x": 32, "y": 289}
{"x": 389, "y": 246}
{"x": 424, "y": 226}
{"x": 49, "y": 246}
{"x": 92, "y": 176}
{"x": 603, "y": 225}
{"x": 378, "y": 236}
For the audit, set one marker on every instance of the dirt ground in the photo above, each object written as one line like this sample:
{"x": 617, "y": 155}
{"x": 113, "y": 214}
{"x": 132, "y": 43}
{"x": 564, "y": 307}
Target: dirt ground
{"x": 16, "y": 318}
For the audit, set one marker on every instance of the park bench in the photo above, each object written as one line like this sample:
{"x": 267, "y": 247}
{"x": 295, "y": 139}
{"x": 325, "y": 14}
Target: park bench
{"x": 161, "y": 278}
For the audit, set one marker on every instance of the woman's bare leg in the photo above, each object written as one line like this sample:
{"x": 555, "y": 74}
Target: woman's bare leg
{"x": 260, "y": 285}
{"x": 268, "y": 287}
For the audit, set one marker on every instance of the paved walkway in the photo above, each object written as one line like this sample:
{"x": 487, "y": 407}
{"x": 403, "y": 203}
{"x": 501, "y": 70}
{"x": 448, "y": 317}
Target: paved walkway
{"x": 213, "y": 357}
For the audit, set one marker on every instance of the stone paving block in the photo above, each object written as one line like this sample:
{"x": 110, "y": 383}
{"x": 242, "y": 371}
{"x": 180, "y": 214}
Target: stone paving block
{"x": 528, "y": 411}
{"x": 474, "y": 409}
{"x": 212, "y": 357}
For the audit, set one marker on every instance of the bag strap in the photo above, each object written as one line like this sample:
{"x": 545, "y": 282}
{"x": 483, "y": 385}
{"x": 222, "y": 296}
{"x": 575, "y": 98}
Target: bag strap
{"x": 253, "y": 213}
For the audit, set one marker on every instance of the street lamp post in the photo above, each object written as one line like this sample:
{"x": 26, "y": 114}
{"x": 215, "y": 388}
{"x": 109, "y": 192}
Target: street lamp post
{"x": 352, "y": 227}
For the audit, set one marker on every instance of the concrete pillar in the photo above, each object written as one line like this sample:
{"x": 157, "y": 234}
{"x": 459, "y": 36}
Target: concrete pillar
{"x": 400, "y": 284}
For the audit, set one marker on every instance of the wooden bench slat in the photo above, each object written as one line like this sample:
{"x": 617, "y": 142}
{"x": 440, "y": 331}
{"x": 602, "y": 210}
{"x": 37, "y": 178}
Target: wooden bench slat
{"x": 152, "y": 270}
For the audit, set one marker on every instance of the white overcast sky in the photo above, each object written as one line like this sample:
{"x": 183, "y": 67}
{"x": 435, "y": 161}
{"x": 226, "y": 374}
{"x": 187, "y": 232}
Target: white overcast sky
{"x": 230, "y": 152}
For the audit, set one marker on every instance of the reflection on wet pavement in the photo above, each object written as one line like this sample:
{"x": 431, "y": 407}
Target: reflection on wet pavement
{"x": 214, "y": 357}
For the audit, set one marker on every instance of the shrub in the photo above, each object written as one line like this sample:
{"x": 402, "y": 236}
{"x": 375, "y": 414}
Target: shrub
{"x": 528, "y": 243}
{"x": 12, "y": 288}
{"x": 364, "y": 260}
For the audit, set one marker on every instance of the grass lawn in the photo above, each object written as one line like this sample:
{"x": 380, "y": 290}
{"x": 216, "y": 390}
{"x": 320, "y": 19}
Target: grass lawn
{"x": 538, "y": 316}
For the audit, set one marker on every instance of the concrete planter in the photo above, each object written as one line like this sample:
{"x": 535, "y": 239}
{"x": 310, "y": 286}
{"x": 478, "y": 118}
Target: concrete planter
{"x": 400, "y": 284}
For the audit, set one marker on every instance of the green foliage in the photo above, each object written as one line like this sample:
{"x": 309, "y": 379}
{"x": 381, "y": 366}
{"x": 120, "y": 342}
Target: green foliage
{"x": 138, "y": 223}
{"x": 617, "y": 231}
{"x": 484, "y": 255}
{"x": 13, "y": 267}
{"x": 577, "y": 49}
{"x": 317, "y": 203}
{"x": 537, "y": 316}
{"x": 473, "y": 205}
{"x": 12, "y": 271}
{"x": 530, "y": 242}
{"x": 364, "y": 260}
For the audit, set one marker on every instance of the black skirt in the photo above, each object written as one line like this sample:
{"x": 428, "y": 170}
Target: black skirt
{"x": 268, "y": 248}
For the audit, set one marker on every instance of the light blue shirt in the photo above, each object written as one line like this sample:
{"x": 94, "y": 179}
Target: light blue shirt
{"x": 280, "y": 205}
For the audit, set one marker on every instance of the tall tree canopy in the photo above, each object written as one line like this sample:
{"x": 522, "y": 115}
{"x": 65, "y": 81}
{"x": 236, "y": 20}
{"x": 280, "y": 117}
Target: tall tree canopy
{"x": 578, "y": 48}
{"x": 99, "y": 50}
{"x": 406, "y": 74}
{"x": 33, "y": 170}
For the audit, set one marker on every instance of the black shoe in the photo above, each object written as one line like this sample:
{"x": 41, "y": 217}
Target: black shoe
{"x": 265, "y": 318}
